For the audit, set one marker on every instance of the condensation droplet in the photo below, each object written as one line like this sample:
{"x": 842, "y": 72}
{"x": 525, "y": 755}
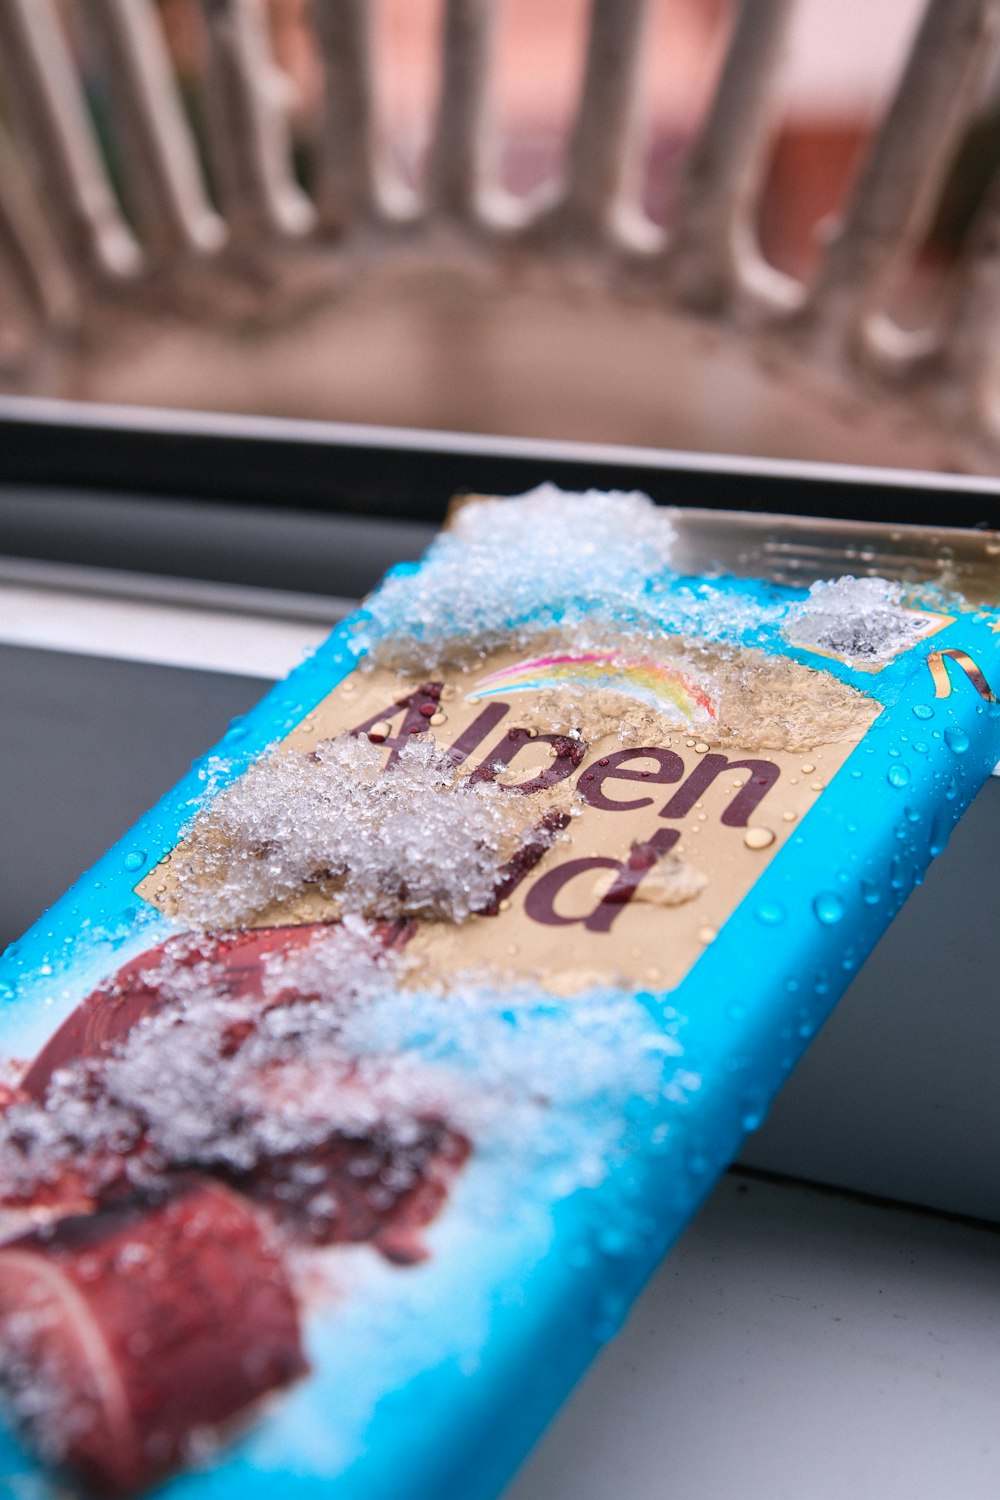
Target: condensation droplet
{"x": 758, "y": 838}
{"x": 923, "y": 711}
{"x": 808, "y": 768}
{"x": 771, "y": 913}
{"x": 829, "y": 908}
{"x": 788, "y": 817}
{"x": 135, "y": 859}
{"x": 957, "y": 740}
{"x": 898, "y": 776}
{"x": 613, "y": 1240}
{"x": 817, "y": 786}
{"x": 700, "y": 747}
{"x": 707, "y": 934}
{"x": 754, "y": 1107}
{"x": 380, "y": 732}
{"x": 438, "y": 718}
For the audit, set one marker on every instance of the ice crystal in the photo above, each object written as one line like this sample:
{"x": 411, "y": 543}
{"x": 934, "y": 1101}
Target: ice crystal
{"x": 530, "y": 561}
{"x": 861, "y": 619}
{"x": 412, "y": 839}
{"x": 333, "y": 1043}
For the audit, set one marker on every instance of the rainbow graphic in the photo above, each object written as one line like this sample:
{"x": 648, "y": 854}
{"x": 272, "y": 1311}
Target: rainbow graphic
{"x": 658, "y": 686}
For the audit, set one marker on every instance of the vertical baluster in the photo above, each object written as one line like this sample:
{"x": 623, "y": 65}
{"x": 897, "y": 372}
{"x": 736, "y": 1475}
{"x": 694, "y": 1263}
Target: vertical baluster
{"x": 347, "y": 184}
{"x": 249, "y": 135}
{"x": 28, "y": 247}
{"x": 968, "y": 366}
{"x": 457, "y": 166}
{"x": 158, "y": 150}
{"x": 51, "y": 120}
{"x": 898, "y": 186}
{"x": 713, "y": 249}
{"x": 602, "y": 147}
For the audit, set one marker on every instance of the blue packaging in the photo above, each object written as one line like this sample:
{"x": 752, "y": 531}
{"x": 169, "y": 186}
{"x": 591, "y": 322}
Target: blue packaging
{"x": 349, "y": 1101}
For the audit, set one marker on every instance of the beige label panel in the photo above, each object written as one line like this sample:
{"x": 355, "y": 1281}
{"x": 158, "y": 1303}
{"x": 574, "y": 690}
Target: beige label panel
{"x": 665, "y": 833}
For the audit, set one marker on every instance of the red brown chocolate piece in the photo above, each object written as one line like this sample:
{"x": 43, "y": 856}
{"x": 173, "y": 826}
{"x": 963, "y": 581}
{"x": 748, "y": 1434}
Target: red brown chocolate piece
{"x": 382, "y": 1187}
{"x": 128, "y": 1334}
{"x": 238, "y": 961}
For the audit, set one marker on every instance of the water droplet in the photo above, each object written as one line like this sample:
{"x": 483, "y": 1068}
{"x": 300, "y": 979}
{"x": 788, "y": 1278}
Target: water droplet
{"x": 700, "y": 747}
{"x": 923, "y": 711}
{"x": 957, "y": 740}
{"x": 912, "y": 814}
{"x": 697, "y": 1164}
{"x": 771, "y": 913}
{"x": 135, "y": 859}
{"x": 612, "y": 1240}
{"x": 438, "y": 718}
{"x": 808, "y": 768}
{"x": 898, "y": 776}
{"x": 940, "y": 832}
{"x": 788, "y": 817}
{"x": 829, "y": 908}
{"x": 817, "y": 786}
{"x": 707, "y": 934}
{"x": 758, "y": 838}
{"x": 870, "y": 893}
{"x": 380, "y": 732}
{"x": 754, "y": 1107}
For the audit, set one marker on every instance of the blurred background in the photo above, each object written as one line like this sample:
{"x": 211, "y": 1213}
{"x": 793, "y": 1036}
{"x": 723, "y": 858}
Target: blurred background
{"x": 375, "y": 315}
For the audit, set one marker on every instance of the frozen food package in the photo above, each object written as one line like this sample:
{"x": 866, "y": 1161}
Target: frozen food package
{"x": 349, "y": 1101}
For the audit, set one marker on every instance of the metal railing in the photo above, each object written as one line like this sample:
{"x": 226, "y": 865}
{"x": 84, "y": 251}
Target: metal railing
{"x": 66, "y": 244}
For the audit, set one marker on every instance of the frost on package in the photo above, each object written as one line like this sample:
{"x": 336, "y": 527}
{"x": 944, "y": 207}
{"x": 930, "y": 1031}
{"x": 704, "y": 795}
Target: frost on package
{"x": 347, "y": 1104}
